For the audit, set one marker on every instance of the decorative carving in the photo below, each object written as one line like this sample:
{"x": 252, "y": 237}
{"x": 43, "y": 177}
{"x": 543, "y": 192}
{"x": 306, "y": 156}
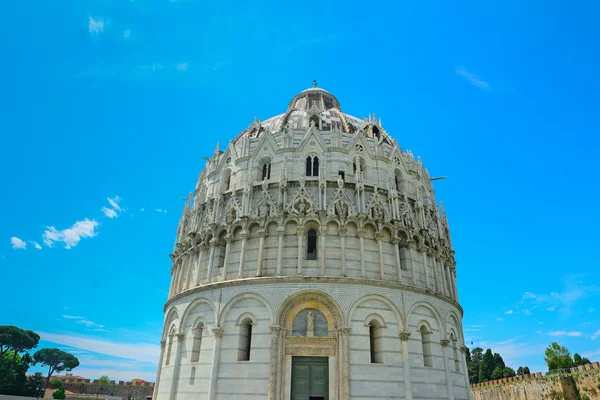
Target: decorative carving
{"x": 404, "y": 335}
{"x": 218, "y": 332}
{"x": 310, "y": 324}
{"x": 445, "y": 342}
{"x": 310, "y": 346}
{"x": 302, "y": 203}
{"x": 179, "y": 336}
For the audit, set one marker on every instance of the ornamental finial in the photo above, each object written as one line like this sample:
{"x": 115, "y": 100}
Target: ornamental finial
{"x": 315, "y": 83}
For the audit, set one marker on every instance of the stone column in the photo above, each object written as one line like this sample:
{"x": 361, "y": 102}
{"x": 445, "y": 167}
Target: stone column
{"x": 273, "y": 362}
{"x": 435, "y": 273}
{"x": 406, "y": 365}
{"x": 379, "y": 238}
{"x": 261, "y": 249}
{"x": 361, "y": 236}
{"x": 443, "y": 271}
{"x": 323, "y": 232}
{"x": 300, "y": 234}
{"x": 214, "y": 368}
{"x": 450, "y": 391}
{"x": 280, "y": 233}
{"x": 179, "y": 276}
{"x": 211, "y": 258}
{"x": 448, "y": 281}
{"x": 413, "y": 276}
{"x": 396, "y": 243}
{"x": 345, "y": 333}
{"x": 453, "y": 272}
{"x": 244, "y": 235}
{"x": 343, "y": 249}
{"x": 190, "y": 264}
{"x": 176, "y": 366}
{"x": 160, "y": 363}
{"x": 201, "y": 250}
{"x": 422, "y": 250}
{"x": 463, "y": 351}
{"x": 173, "y": 279}
{"x": 228, "y": 240}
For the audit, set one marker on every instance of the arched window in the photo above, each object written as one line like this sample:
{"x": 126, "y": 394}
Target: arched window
{"x": 312, "y": 166}
{"x": 226, "y": 180}
{"x": 197, "y": 343}
{"x": 193, "y": 376}
{"x": 315, "y": 119}
{"x": 266, "y": 171}
{"x": 376, "y": 133}
{"x": 375, "y": 339}
{"x": 399, "y": 180}
{"x": 311, "y": 246}
{"x": 245, "y": 340}
{"x": 170, "y": 345}
{"x": 426, "y": 343}
{"x": 363, "y": 166}
{"x": 455, "y": 352}
{"x": 403, "y": 257}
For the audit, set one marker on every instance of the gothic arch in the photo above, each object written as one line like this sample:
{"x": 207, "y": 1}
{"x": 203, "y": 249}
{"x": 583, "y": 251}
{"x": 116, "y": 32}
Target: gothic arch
{"x": 310, "y": 298}
{"x": 171, "y": 320}
{"x": 436, "y": 315}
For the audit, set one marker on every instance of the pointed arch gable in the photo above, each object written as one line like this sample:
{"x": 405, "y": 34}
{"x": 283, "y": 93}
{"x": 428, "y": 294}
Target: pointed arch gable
{"x": 266, "y": 140}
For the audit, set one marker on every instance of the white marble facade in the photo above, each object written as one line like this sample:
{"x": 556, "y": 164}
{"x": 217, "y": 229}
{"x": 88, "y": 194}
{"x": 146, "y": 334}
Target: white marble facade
{"x": 313, "y": 210}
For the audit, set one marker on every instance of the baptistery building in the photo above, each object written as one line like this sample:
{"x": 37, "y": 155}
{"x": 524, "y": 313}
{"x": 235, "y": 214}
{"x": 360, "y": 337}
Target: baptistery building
{"x": 312, "y": 261}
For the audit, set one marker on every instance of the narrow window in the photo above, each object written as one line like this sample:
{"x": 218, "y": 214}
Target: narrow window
{"x": 315, "y": 168}
{"x": 311, "y": 248}
{"x": 193, "y": 376}
{"x": 455, "y": 350}
{"x": 343, "y": 175}
{"x": 169, "y": 348}
{"x": 375, "y": 337}
{"x": 376, "y": 132}
{"x": 266, "y": 172}
{"x": 245, "y": 340}
{"x": 308, "y": 166}
{"x": 312, "y": 166}
{"x": 403, "y": 258}
{"x": 426, "y": 343}
{"x": 226, "y": 180}
{"x": 315, "y": 119}
{"x": 197, "y": 343}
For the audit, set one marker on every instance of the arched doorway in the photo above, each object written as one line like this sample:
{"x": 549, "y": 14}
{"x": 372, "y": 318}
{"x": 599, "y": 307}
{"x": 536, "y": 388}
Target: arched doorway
{"x": 312, "y": 340}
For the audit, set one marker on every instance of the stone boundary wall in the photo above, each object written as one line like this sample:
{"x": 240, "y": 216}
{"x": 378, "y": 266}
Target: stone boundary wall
{"x": 573, "y": 384}
{"x": 126, "y": 392}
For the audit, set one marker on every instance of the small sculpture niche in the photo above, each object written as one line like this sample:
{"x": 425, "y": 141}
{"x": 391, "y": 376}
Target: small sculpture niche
{"x": 310, "y": 323}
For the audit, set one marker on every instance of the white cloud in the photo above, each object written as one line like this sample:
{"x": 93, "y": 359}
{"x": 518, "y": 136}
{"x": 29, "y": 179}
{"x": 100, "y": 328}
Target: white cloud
{"x": 565, "y": 333}
{"x": 553, "y": 308}
{"x": 591, "y": 310}
{"x": 18, "y": 243}
{"x": 116, "y": 374}
{"x": 70, "y": 236}
{"x": 114, "y": 202}
{"x": 471, "y": 77}
{"x": 84, "y": 321}
{"x": 509, "y": 312}
{"x": 182, "y": 67}
{"x": 126, "y": 33}
{"x": 35, "y": 244}
{"x": 96, "y": 25}
{"x": 160, "y": 210}
{"x": 142, "y": 209}
{"x": 529, "y": 295}
{"x": 110, "y": 213}
{"x": 500, "y": 319}
{"x": 595, "y": 335}
{"x": 135, "y": 351}
{"x": 527, "y": 312}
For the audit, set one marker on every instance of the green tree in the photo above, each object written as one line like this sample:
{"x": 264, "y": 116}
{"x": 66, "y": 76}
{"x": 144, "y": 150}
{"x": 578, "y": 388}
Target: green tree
{"x": 13, "y": 369}
{"x": 557, "y": 357}
{"x": 35, "y": 385}
{"x": 56, "y": 382}
{"x": 526, "y": 371}
{"x": 477, "y": 355}
{"x": 486, "y": 367}
{"x": 498, "y": 361}
{"x": 520, "y": 371}
{"x": 16, "y": 339}
{"x": 473, "y": 361}
{"x": 104, "y": 380}
{"x": 56, "y": 360}
{"x": 508, "y": 372}
{"x": 497, "y": 373}
{"x": 59, "y": 394}
{"x": 578, "y": 360}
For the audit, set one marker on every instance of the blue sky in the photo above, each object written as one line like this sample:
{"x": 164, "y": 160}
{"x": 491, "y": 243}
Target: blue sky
{"x": 107, "y": 108}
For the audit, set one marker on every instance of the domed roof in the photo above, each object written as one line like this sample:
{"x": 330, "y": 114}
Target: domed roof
{"x": 311, "y": 105}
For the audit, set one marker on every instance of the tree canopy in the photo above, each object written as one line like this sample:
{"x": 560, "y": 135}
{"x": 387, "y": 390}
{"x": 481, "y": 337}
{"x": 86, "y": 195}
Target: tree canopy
{"x": 56, "y": 360}
{"x": 104, "y": 379}
{"x": 16, "y": 339}
{"x": 558, "y": 357}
